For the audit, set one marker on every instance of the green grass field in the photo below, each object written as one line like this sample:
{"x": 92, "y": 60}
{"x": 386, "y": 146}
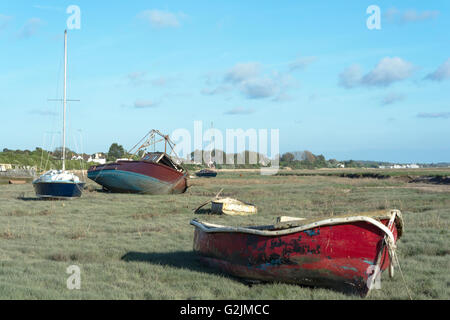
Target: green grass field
{"x": 140, "y": 246}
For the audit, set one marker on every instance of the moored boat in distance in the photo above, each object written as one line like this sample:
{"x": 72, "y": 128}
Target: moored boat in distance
{"x": 154, "y": 173}
{"x": 347, "y": 253}
{"x": 206, "y": 173}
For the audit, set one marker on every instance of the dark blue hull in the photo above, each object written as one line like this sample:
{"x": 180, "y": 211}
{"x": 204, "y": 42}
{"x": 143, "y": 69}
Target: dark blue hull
{"x": 58, "y": 189}
{"x": 206, "y": 174}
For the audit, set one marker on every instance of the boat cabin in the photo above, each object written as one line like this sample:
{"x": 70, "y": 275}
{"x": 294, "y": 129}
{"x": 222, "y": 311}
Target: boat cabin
{"x": 162, "y": 158}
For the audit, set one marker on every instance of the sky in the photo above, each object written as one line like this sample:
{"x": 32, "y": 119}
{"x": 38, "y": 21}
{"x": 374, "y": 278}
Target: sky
{"x": 314, "y": 70}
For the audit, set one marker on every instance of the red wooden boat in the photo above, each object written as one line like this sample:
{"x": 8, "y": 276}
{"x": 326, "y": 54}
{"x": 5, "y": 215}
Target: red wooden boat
{"x": 347, "y": 253}
{"x": 155, "y": 173}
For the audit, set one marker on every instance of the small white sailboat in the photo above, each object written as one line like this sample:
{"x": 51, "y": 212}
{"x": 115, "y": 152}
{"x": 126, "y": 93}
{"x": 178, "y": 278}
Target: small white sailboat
{"x": 60, "y": 183}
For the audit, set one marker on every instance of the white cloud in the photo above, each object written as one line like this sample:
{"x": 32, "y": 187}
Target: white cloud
{"x": 394, "y": 15}
{"x": 391, "y": 98}
{"x": 442, "y": 72}
{"x": 162, "y": 19}
{"x": 350, "y": 77}
{"x": 391, "y": 14}
{"x": 282, "y": 97}
{"x": 30, "y": 28}
{"x": 443, "y": 115}
{"x": 217, "y": 90}
{"x": 257, "y": 88}
{"x": 243, "y": 72}
{"x": 385, "y": 73}
{"x": 250, "y": 80}
{"x": 137, "y": 77}
{"x": 160, "y": 81}
{"x": 49, "y": 8}
{"x": 43, "y": 112}
{"x": 413, "y": 15}
{"x": 239, "y": 110}
{"x": 388, "y": 71}
{"x": 142, "y": 104}
{"x": 4, "y": 21}
{"x": 301, "y": 63}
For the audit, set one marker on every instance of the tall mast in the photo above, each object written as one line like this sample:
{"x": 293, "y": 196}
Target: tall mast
{"x": 64, "y": 102}
{"x": 214, "y": 146}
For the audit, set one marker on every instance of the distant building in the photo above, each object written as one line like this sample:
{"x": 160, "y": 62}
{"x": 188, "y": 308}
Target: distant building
{"x": 264, "y": 161}
{"x": 401, "y": 166}
{"x": 5, "y": 166}
{"x": 97, "y": 158}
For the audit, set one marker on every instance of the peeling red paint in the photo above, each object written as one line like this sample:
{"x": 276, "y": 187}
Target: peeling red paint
{"x": 339, "y": 257}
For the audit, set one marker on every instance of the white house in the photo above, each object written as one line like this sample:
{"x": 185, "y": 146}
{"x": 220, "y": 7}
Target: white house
{"x": 97, "y": 158}
{"x": 74, "y": 157}
{"x": 4, "y": 167}
{"x": 401, "y": 166}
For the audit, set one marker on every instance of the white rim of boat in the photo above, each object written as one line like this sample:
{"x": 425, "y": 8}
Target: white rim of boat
{"x": 58, "y": 181}
{"x": 54, "y": 197}
{"x": 214, "y": 228}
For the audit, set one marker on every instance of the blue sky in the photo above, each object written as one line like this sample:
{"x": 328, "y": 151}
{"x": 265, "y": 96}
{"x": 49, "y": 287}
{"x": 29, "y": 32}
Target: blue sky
{"x": 313, "y": 70}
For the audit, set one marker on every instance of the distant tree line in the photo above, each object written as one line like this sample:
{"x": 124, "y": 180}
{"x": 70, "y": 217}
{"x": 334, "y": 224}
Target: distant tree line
{"x": 306, "y": 160}
{"x": 42, "y": 159}
{"x": 117, "y": 151}
{"x": 246, "y": 159}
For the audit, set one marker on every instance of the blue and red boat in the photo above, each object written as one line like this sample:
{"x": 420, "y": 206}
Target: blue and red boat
{"x": 155, "y": 173}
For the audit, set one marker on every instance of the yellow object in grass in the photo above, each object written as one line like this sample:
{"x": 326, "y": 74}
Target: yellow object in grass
{"x": 232, "y": 207}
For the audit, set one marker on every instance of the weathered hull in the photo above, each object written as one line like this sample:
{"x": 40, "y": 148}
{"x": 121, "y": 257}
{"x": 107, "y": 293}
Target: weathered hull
{"x": 341, "y": 256}
{"x": 138, "y": 177}
{"x": 58, "y": 189}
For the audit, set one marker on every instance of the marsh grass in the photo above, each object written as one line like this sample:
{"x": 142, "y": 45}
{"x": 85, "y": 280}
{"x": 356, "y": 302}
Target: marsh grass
{"x": 7, "y": 235}
{"x": 140, "y": 247}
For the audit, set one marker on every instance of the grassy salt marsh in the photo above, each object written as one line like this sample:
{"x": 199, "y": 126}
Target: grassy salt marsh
{"x": 140, "y": 246}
